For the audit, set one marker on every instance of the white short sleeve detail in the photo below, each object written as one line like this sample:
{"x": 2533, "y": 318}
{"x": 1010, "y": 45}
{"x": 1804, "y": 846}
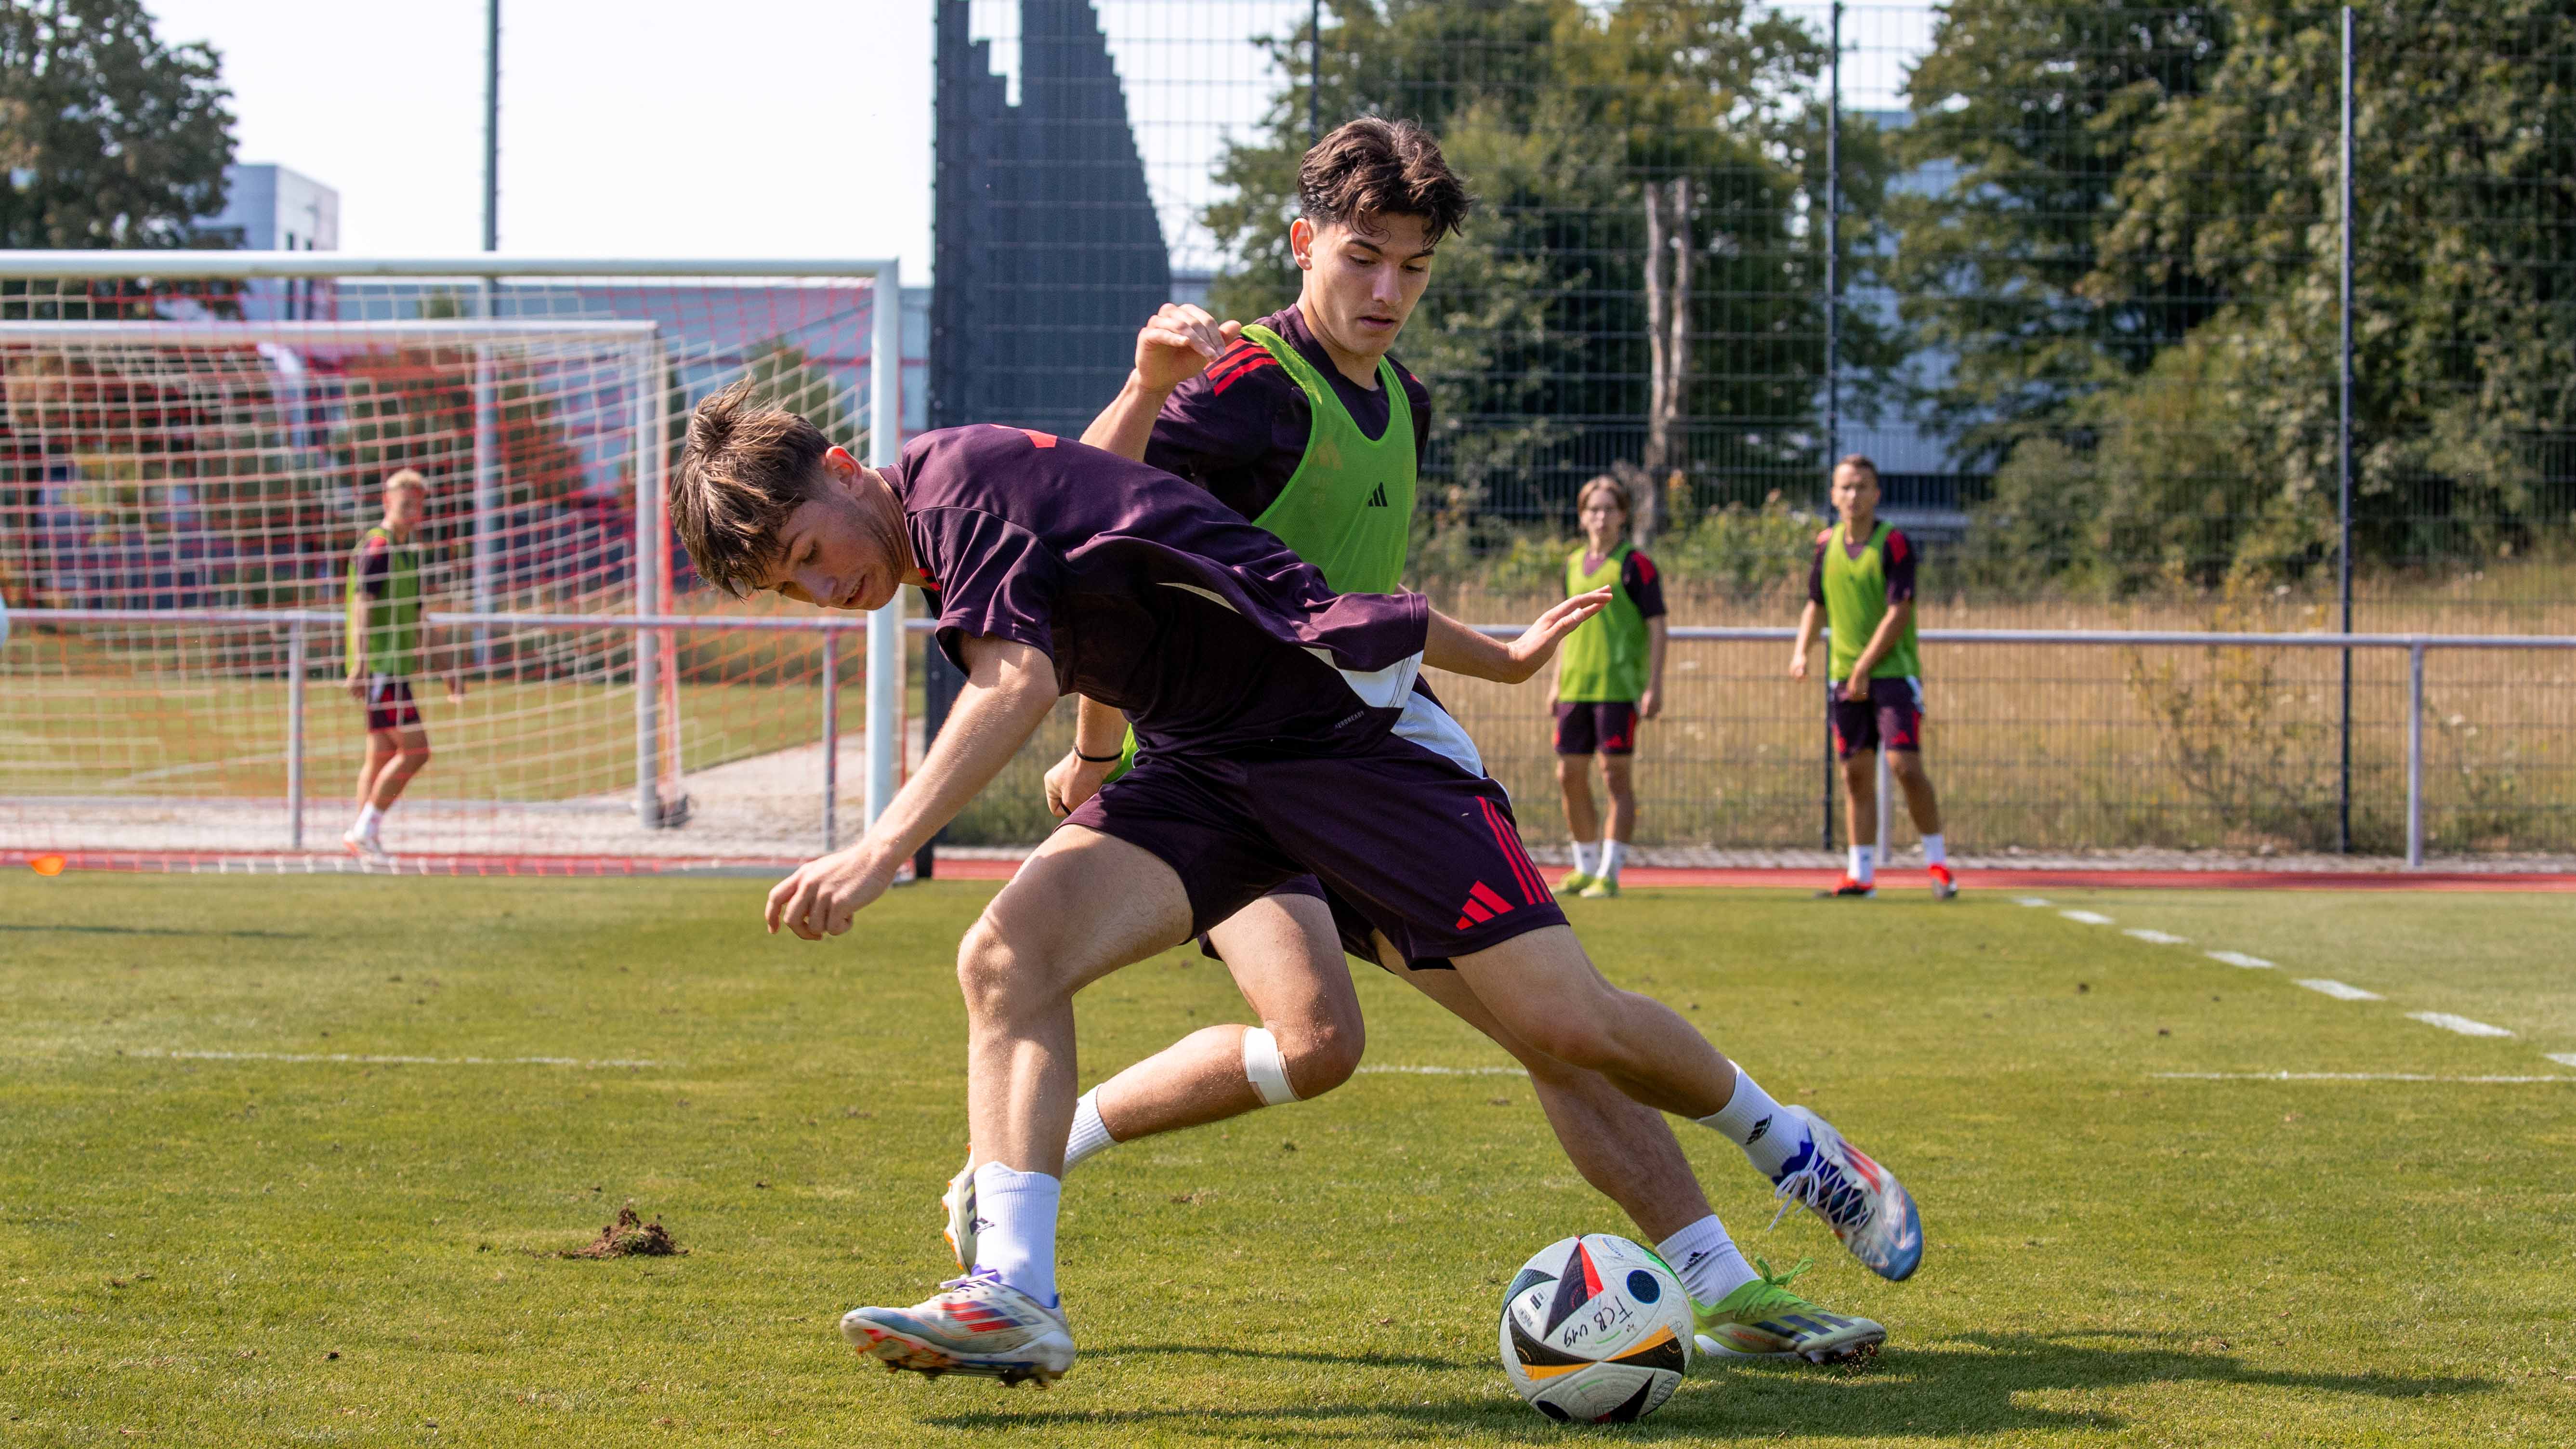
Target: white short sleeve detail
{"x": 1428, "y": 725}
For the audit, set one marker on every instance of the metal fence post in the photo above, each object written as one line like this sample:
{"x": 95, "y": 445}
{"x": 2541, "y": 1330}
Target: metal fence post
{"x": 2343, "y": 450}
{"x": 295, "y": 668}
{"x": 885, "y": 625}
{"x": 831, "y": 736}
{"x": 2415, "y": 756}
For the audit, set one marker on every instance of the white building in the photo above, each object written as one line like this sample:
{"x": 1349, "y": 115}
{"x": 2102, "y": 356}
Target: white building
{"x": 269, "y": 208}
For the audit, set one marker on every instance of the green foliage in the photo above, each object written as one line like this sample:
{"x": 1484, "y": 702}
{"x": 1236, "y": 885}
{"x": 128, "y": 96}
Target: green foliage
{"x": 2137, "y": 271}
{"x": 108, "y": 137}
{"x": 1532, "y": 335}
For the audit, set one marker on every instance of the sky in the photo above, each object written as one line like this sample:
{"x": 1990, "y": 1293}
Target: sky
{"x": 751, "y": 128}
{"x": 747, "y": 128}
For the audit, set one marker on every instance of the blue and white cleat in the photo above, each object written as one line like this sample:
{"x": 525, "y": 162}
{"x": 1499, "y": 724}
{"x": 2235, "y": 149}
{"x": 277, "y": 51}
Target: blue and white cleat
{"x": 960, "y": 1202}
{"x": 1868, "y": 1209}
{"x": 976, "y": 1325}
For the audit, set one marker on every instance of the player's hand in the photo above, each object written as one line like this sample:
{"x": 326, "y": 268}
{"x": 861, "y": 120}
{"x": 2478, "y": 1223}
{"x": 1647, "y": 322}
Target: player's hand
{"x": 1650, "y": 703}
{"x": 823, "y": 894}
{"x": 1178, "y": 343}
{"x": 1798, "y": 665}
{"x": 1857, "y": 690}
{"x": 1073, "y": 780}
{"x": 357, "y": 686}
{"x": 456, "y": 689}
{"x": 1538, "y": 642}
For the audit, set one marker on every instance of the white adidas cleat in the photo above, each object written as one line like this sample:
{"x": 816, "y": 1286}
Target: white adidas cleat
{"x": 976, "y": 1325}
{"x": 1868, "y": 1209}
{"x": 959, "y": 1199}
{"x": 367, "y": 848}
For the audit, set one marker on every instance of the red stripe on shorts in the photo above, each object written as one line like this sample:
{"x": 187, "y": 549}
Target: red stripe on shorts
{"x": 1533, "y": 890}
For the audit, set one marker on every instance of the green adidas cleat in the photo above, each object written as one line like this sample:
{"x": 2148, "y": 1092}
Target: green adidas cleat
{"x": 1576, "y": 882}
{"x": 1602, "y": 889}
{"x": 1763, "y": 1319}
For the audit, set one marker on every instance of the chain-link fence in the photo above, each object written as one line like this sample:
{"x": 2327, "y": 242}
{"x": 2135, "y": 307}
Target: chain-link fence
{"x": 2070, "y": 272}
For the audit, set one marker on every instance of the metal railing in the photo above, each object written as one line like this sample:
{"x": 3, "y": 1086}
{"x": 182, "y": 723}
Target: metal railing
{"x": 884, "y": 752}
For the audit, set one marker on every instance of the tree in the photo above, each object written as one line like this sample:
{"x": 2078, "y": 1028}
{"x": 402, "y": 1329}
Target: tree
{"x": 2035, "y": 106}
{"x": 2170, "y": 410}
{"x": 109, "y": 137}
{"x": 1534, "y": 336}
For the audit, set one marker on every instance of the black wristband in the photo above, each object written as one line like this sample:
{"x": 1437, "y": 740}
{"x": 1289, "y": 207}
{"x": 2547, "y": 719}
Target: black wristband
{"x": 1095, "y": 759}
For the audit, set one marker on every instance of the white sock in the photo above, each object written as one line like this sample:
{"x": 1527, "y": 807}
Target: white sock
{"x": 1614, "y": 854}
{"x": 1864, "y": 864}
{"x": 1015, "y": 1232}
{"x": 1710, "y": 1264}
{"x": 1770, "y": 1137}
{"x": 1585, "y": 858}
{"x": 1090, "y": 1135}
{"x": 369, "y": 817}
{"x": 1936, "y": 851}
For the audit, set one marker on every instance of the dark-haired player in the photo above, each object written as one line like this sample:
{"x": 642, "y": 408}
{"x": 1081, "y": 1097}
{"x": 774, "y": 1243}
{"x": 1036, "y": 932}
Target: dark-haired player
{"x": 1861, "y": 584}
{"x": 1305, "y": 423}
{"x": 1281, "y": 734}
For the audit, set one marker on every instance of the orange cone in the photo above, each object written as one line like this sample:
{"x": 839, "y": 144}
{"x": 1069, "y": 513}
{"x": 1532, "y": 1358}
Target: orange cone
{"x": 47, "y": 865}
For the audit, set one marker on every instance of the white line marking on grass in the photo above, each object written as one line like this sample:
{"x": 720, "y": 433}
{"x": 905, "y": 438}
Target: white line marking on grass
{"x": 2031, "y": 901}
{"x": 2337, "y": 1077}
{"x": 2156, "y": 938}
{"x": 1450, "y": 1071}
{"x": 2341, "y": 992}
{"x": 2461, "y": 1024}
{"x": 2564, "y": 1059}
{"x": 2239, "y": 958}
{"x": 396, "y": 1061}
{"x": 2086, "y": 917}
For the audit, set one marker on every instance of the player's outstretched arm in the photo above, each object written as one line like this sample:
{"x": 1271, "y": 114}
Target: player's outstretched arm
{"x": 1461, "y": 650}
{"x": 1010, "y": 686}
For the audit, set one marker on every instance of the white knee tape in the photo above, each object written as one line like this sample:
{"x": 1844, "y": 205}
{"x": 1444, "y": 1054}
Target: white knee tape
{"x": 1267, "y": 1070}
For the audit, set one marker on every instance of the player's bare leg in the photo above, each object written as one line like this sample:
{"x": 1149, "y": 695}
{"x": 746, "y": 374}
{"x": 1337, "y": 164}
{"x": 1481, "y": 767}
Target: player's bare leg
{"x": 1627, "y": 1151}
{"x": 382, "y": 746}
{"x": 411, "y": 755}
{"x": 1287, "y": 961}
{"x": 1922, "y": 803}
{"x": 1582, "y": 821}
{"x": 1084, "y": 905}
{"x": 1860, "y": 818}
{"x": 1620, "y": 783}
{"x": 1543, "y": 989}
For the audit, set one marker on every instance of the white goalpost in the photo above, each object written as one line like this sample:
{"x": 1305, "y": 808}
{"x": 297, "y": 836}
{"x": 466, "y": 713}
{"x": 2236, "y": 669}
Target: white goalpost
{"x": 190, "y": 443}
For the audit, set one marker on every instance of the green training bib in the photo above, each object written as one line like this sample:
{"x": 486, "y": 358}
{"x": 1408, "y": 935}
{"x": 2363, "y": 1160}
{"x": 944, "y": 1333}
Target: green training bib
{"x": 1856, "y": 599}
{"x": 1604, "y": 660}
{"x": 391, "y": 644}
{"x": 1348, "y": 509}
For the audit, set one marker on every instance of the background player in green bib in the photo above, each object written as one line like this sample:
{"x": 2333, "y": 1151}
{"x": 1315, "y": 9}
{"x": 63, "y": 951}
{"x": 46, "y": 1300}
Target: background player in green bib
{"x": 382, "y": 593}
{"x": 1609, "y": 675}
{"x": 1305, "y": 424}
{"x": 1861, "y": 583}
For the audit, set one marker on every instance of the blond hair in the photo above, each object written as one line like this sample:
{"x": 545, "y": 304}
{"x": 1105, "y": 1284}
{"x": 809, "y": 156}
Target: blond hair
{"x": 748, "y": 465}
{"x": 406, "y": 479}
{"x": 1857, "y": 460}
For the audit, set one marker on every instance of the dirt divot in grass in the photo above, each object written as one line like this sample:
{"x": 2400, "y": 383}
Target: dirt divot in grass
{"x": 629, "y": 1237}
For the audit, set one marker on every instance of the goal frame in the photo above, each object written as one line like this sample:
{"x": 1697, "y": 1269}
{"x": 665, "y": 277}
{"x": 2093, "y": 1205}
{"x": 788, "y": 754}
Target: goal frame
{"x": 885, "y": 626}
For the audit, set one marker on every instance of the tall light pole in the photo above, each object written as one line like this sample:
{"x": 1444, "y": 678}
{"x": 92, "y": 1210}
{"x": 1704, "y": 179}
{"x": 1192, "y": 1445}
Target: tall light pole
{"x": 487, "y": 450}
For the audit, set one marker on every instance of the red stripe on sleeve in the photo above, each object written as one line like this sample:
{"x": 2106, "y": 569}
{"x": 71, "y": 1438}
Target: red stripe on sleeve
{"x": 1219, "y": 382}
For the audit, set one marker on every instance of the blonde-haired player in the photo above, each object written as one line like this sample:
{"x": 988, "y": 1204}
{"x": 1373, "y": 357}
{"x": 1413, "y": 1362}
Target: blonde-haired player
{"x": 384, "y": 651}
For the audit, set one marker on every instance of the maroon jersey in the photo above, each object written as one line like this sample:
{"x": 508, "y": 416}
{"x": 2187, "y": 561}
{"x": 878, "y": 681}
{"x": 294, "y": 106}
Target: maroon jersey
{"x": 1239, "y": 429}
{"x": 1150, "y": 596}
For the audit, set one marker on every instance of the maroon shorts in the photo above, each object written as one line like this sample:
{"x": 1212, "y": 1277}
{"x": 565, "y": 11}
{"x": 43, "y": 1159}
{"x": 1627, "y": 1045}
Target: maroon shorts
{"x": 1358, "y": 936}
{"x": 389, "y": 705}
{"x": 1608, "y": 728}
{"x": 1892, "y": 715}
{"x": 1410, "y": 843}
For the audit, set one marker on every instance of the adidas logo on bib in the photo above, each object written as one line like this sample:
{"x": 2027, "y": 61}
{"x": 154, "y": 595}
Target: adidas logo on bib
{"x": 1378, "y": 498}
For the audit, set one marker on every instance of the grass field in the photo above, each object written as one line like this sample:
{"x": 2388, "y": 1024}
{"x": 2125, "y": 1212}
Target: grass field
{"x": 203, "y": 1250}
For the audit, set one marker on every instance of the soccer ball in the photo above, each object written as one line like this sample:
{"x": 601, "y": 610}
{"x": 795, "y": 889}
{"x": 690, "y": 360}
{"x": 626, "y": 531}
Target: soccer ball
{"x": 1596, "y": 1330}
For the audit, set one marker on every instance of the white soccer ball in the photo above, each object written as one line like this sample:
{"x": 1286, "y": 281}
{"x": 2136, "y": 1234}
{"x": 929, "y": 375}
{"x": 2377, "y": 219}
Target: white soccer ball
{"x": 1596, "y": 1330}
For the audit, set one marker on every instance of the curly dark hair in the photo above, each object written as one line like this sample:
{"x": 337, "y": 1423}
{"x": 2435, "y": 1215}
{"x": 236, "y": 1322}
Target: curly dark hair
{"x": 1372, "y": 168}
